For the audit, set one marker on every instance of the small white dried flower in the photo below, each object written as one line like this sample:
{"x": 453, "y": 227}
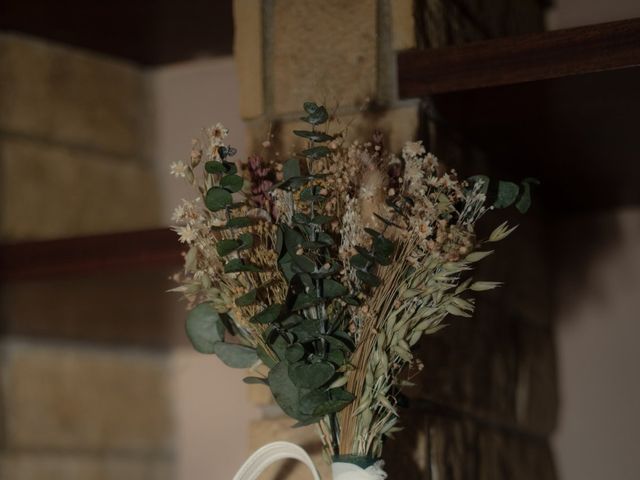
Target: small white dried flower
{"x": 218, "y": 133}
{"x": 178, "y": 169}
{"x": 186, "y": 234}
{"x": 413, "y": 149}
{"x": 178, "y": 214}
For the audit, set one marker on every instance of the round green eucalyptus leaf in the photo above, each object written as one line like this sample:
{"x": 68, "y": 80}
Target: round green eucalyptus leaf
{"x": 368, "y": 278}
{"x": 268, "y": 315}
{"x": 204, "y": 328}
{"x": 234, "y": 355}
{"x": 233, "y": 183}
{"x": 240, "y": 222}
{"x": 310, "y": 107}
{"x": 214, "y": 166}
{"x": 332, "y": 288}
{"x": 507, "y": 194}
{"x": 338, "y": 399}
{"x": 217, "y": 199}
{"x": 226, "y": 246}
{"x": 286, "y": 394}
{"x": 311, "y": 375}
{"x": 294, "y": 353}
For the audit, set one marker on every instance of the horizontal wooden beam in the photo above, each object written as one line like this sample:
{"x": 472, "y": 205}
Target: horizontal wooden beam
{"x": 103, "y": 289}
{"x": 520, "y": 59}
{"x": 82, "y": 255}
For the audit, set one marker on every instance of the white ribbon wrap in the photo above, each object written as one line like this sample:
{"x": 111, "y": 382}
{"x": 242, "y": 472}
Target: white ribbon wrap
{"x": 273, "y": 452}
{"x": 349, "y": 471}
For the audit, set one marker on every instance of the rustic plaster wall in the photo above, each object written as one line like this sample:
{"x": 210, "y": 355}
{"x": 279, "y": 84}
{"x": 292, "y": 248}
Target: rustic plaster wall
{"x": 598, "y": 259}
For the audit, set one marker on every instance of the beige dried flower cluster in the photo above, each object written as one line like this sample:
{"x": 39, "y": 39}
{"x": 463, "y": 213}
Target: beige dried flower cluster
{"x": 393, "y": 235}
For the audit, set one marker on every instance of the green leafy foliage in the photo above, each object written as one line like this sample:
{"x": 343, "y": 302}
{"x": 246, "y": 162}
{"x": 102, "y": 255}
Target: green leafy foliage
{"x": 316, "y": 152}
{"x": 226, "y": 246}
{"x": 232, "y": 183}
{"x": 313, "y": 136}
{"x": 217, "y": 199}
{"x": 204, "y": 328}
{"x": 214, "y": 167}
{"x": 507, "y": 194}
{"x": 286, "y": 394}
{"x": 240, "y": 222}
{"x": 268, "y": 315}
{"x": 235, "y": 356}
{"x": 311, "y": 375}
{"x": 247, "y": 299}
{"x": 237, "y": 265}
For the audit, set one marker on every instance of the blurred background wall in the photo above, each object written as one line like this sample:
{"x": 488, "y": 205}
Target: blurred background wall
{"x": 85, "y": 143}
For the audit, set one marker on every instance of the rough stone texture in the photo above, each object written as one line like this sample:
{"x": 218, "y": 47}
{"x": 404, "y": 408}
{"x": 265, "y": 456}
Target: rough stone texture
{"x": 25, "y": 466}
{"x": 403, "y": 24}
{"x": 324, "y": 51}
{"x": 49, "y": 191}
{"x": 248, "y": 51}
{"x": 70, "y": 96}
{"x": 78, "y": 399}
{"x": 273, "y": 429}
{"x": 445, "y": 23}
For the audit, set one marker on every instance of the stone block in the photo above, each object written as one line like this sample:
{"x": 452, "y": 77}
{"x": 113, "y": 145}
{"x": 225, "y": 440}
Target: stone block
{"x": 248, "y": 53}
{"x": 49, "y": 191}
{"x": 70, "y": 96}
{"x": 273, "y": 429}
{"x": 35, "y": 466}
{"x": 323, "y": 51}
{"x": 403, "y": 24}
{"x": 77, "y": 399}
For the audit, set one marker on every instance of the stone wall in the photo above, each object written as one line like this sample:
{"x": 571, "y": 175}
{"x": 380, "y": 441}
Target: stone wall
{"x": 73, "y": 162}
{"x": 72, "y": 143}
{"x": 486, "y": 401}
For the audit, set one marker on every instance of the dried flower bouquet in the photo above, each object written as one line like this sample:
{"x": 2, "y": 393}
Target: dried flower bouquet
{"x": 322, "y": 272}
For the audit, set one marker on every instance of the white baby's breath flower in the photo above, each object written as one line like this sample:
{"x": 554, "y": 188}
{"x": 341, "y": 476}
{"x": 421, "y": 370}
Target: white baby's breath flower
{"x": 178, "y": 169}
{"x": 186, "y": 234}
{"x": 413, "y": 149}
{"x": 217, "y": 222}
{"x": 431, "y": 161}
{"x": 178, "y": 214}
{"x": 218, "y": 133}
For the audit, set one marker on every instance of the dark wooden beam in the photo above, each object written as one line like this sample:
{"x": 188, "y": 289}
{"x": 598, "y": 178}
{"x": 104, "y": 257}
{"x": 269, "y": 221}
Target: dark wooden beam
{"x": 105, "y": 289}
{"x": 520, "y": 59}
{"x": 87, "y": 255}
{"x": 148, "y": 32}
